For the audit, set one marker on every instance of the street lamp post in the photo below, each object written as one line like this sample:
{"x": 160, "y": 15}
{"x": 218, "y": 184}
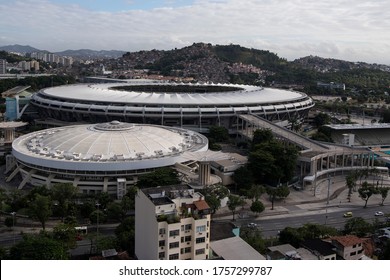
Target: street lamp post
{"x": 327, "y": 201}
{"x": 97, "y": 224}
{"x": 13, "y": 225}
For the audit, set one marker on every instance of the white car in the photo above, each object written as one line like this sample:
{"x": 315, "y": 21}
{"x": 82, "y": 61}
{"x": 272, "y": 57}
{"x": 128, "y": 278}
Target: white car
{"x": 379, "y": 213}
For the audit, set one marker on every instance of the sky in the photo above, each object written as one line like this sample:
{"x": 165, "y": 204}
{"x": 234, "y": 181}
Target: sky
{"x": 353, "y": 30}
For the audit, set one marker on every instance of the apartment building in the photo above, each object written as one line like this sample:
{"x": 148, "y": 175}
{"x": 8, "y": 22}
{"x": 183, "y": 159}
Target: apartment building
{"x": 171, "y": 223}
{"x": 3, "y": 66}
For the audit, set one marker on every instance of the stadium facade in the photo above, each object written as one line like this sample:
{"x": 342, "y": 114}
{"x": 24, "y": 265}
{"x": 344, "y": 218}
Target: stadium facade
{"x": 105, "y": 157}
{"x": 192, "y": 106}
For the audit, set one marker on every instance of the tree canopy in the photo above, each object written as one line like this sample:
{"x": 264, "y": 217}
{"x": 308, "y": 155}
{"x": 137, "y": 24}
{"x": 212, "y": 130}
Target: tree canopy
{"x": 161, "y": 177}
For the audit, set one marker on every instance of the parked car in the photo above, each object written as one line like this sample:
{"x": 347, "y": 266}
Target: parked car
{"x": 347, "y": 214}
{"x": 379, "y": 213}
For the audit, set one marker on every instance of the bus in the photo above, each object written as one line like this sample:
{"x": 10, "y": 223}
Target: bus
{"x": 80, "y": 232}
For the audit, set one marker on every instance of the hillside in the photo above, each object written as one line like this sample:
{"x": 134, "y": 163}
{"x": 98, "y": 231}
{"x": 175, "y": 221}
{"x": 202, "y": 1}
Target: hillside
{"x": 236, "y": 64}
{"x": 19, "y": 49}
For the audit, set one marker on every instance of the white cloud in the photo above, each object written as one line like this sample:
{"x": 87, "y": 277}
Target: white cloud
{"x": 291, "y": 28}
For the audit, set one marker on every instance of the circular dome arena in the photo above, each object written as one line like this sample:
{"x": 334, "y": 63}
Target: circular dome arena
{"x": 101, "y": 157}
{"x": 194, "y": 106}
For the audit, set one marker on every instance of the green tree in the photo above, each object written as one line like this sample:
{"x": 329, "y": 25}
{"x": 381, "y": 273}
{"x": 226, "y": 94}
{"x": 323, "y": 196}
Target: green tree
{"x": 131, "y": 193}
{"x": 357, "y": 226}
{"x": 290, "y": 235}
{"x": 243, "y": 178}
{"x": 16, "y": 200}
{"x": 312, "y": 231}
{"x": 351, "y": 183}
{"x": 255, "y": 192}
{"x": 366, "y": 191}
{"x": 66, "y": 235}
{"x": 257, "y": 207}
{"x": 218, "y": 133}
{"x": 321, "y": 119}
{"x": 38, "y": 247}
{"x": 63, "y": 194}
{"x": 3, "y": 198}
{"x": 10, "y": 221}
{"x": 386, "y": 251}
{"x": 87, "y": 208}
{"x": 273, "y": 162}
{"x": 98, "y": 216}
{"x": 261, "y": 163}
{"x": 125, "y": 234}
{"x": 213, "y": 196}
{"x": 234, "y": 202}
{"x": 261, "y": 136}
{"x": 254, "y": 238}
{"x": 40, "y": 209}
{"x": 277, "y": 193}
{"x": 161, "y": 177}
{"x": 383, "y": 191}
{"x": 103, "y": 199}
{"x": 115, "y": 211}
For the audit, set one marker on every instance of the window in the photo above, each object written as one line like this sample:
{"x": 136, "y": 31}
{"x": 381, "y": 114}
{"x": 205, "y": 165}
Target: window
{"x": 161, "y": 255}
{"x": 200, "y": 240}
{"x": 188, "y": 227}
{"x": 173, "y": 245}
{"x": 199, "y": 251}
{"x": 200, "y": 228}
{"x": 187, "y": 250}
{"x": 353, "y": 254}
{"x": 174, "y": 257}
{"x": 161, "y": 231}
{"x": 188, "y": 238}
{"x": 174, "y": 232}
{"x": 161, "y": 243}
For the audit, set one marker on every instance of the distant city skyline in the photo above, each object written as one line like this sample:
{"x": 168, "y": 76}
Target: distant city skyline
{"x": 349, "y": 30}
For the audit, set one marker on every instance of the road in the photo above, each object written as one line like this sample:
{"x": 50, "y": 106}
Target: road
{"x": 332, "y": 216}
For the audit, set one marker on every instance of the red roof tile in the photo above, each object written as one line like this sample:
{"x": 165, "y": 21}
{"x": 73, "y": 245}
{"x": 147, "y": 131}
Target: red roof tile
{"x": 347, "y": 240}
{"x": 201, "y": 205}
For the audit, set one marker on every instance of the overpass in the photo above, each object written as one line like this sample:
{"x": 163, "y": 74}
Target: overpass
{"x": 247, "y": 124}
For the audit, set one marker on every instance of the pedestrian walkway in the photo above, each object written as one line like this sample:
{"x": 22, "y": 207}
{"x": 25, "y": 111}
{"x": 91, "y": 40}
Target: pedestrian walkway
{"x": 329, "y": 195}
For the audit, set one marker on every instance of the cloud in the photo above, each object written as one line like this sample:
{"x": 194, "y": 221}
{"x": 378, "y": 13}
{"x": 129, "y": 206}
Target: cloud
{"x": 291, "y": 28}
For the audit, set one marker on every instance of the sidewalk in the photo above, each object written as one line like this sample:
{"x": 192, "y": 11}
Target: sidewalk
{"x": 300, "y": 202}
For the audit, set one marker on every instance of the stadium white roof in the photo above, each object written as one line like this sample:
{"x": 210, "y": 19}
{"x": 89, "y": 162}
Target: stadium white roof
{"x": 245, "y": 94}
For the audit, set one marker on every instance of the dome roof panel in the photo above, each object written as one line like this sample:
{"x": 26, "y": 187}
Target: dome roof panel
{"x": 108, "y": 141}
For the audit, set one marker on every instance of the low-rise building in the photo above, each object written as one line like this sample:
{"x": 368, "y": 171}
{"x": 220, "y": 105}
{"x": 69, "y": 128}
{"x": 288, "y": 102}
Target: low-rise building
{"x": 224, "y": 168}
{"x": 349, "y": 247}
{"x": 321, "y": 249}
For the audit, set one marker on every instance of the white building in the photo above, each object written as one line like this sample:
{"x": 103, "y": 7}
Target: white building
{"x": 171, "y": 223}
{"x": 105, "y": 157}
{"x": 349, "y": 247}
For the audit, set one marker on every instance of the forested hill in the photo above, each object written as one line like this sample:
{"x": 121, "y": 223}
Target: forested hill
{"x": 237, "y": 64}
